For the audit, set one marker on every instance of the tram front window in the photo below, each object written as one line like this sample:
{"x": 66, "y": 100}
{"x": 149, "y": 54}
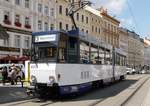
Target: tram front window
{"x": 47, "y": 53}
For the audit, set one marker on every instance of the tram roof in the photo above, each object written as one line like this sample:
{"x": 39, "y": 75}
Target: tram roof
{"x": 49, "y": 32}
{"x": 76, "y": 33}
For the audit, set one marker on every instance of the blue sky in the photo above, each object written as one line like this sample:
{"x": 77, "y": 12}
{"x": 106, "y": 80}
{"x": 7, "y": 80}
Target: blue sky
{"x": 133, "y": 14}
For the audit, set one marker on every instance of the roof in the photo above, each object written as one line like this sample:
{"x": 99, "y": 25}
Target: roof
{"x": 3, "y": 33}
{"x": 93, "y": 11}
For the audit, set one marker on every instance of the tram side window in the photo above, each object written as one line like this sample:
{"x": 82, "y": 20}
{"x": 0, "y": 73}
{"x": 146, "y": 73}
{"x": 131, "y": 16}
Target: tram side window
{"x": 101, "y": 56}
{"x": 62, "y": 54}
{"x": 117, "y": 59}
{"x": 94, "y": 54}
{"x": 84, "y": 52}
{"x": 108, "y": 58}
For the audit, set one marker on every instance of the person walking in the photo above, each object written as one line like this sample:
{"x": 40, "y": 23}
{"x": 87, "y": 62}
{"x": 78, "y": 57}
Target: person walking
{"x": 4, "y": 74}
{"x": 12, "y": 74}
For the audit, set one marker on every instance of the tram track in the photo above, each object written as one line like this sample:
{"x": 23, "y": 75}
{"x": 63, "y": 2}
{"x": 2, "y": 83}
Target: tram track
{"x": 130, "y": 97}
{"x": 135, "y": 88}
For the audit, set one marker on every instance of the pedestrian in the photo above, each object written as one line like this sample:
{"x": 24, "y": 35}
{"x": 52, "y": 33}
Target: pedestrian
{"x": 12, "y": 74}
{"x": 4, "y": 74}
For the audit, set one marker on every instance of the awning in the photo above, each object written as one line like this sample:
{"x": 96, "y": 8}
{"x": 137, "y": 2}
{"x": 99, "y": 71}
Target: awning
{"x": 3, "y": 33}
{"x": 8, "y": 58}
{"x": 24, "y": 58}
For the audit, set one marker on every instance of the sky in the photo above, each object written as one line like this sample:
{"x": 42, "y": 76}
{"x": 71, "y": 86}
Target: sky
{"x": 133, "y": 14}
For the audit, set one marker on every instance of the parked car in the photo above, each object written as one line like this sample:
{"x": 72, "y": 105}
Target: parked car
{"x": 142, "y": 72}
{"x": 129, "y": 70}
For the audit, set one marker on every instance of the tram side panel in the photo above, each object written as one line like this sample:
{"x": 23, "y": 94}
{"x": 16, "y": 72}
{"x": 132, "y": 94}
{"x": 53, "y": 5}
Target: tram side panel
{"x": 120, "y": 71}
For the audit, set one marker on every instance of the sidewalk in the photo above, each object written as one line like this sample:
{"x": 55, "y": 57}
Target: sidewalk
{"x": 146, "y": 101}
{"x": 11, "y": 93}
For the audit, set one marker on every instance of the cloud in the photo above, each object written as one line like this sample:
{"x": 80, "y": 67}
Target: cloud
{"x": 127, "y": 23}
{"x": 113, "y": 6}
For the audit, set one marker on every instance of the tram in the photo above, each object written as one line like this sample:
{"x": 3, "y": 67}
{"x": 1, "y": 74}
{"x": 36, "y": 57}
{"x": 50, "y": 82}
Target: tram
{"x": 72, "y": 62}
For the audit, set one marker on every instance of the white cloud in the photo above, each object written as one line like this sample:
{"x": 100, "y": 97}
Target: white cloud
{"x": 127, "y": 23}
{"x": 113, "y": 6}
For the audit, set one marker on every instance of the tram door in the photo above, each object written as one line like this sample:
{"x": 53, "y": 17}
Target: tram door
{"x": 73, "y": 50}
{"x": 68, "y": 49}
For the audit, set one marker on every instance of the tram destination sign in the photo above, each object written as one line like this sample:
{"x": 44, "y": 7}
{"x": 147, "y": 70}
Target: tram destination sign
{"x": 45, "y": 38}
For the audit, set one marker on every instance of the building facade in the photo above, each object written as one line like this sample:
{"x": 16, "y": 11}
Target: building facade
{"x": 110, "y": 29}
{"x": 21, "y": 17}
{"x": 123, "y": 40}
{"x": 16, "y": 19}
{"x": 135, "y": 50}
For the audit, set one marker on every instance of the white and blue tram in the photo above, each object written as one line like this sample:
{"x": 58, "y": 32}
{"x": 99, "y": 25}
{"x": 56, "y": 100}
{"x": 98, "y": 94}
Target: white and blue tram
{"x": 71, "y": 62}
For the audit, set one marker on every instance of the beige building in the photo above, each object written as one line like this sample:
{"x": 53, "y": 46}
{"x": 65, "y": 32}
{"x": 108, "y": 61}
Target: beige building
{"x": 135, "y": 50}
{"x": 110, "y": 29}
{"x": 123, "y": 40}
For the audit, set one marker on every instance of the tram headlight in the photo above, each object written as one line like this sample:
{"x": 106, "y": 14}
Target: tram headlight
{"x": 33, "y": 79}
{"x": 51, "y": 79}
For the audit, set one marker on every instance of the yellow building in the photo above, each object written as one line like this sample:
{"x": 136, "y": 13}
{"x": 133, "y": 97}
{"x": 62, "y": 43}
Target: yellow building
{"x": 110, "y": 28}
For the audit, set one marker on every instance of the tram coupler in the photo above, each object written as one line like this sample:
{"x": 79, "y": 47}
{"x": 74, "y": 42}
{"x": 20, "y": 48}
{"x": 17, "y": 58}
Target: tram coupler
{"x": 30, "y": 91}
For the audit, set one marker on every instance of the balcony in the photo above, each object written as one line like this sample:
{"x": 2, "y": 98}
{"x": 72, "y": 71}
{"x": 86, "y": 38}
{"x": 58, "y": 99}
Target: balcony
{"x": 27, "y": 26}
{"x": 7, "y": 22}
{"x": 18, "y": 24}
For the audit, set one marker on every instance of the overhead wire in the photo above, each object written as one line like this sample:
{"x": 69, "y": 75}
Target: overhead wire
{"x": 132, "y": 14}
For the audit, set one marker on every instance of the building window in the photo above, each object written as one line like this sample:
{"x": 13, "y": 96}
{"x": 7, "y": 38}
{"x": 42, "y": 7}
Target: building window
{"x": 39, "y": 25}
{"x": 46, "y": 26}
{"x": 46, "y": 10}
{"x": 27, "y": 3}
{"x": 82, "y": 30}
{"x": 17, "y": 2}
{"x": 17, "y": 20}
{"x": 87, "y": 20}
{"x": 87, "y": 31}
{"x": 27, "y": 42}
{"x": 6, "y": 17}
{"x": 6, "y": 42}
{"x": 52, "y": 27}
{"x": 82, "y": 18}
{"x": 99, "y": 31}
{"x": 92, "y": 28}
{"x": 40, "y": 8}
{"x": 52, "y": 12}
{"x": 67, "y": 27}
{"x": 96, "y": 29}
{"x": 27, "y": 22}
{"x": 60, "y": 9}
{"x": 17, "y": 41}
{"x": 77, "y": 16}
{"x": 60, "y": 25}
{"x": 66, "y": 11}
